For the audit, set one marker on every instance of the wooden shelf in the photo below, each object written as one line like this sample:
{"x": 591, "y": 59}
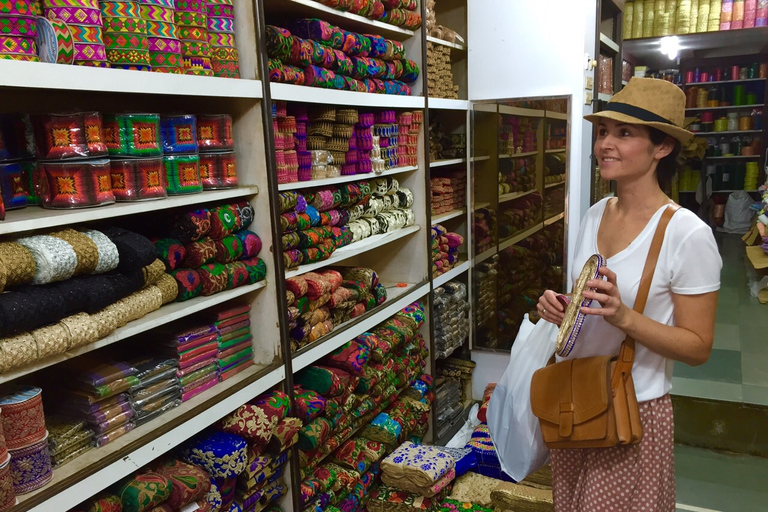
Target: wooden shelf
{"x": 485, "y": 255}
{"x": 519, "y": 155}
{"x": 482, "y": 204}
{"x": 514, "y": 195}
{"x": 295, "y": 185}
{"x": 554, "y": 184}
{"x": 515, "y": 239}
{"x": 452, "y": 274}
{"x": 166, "y": 314}
{"x": 101, "y": 467}
{"x": 34, "y": 217}
{"x": 355, "y": 249}
{"x": 450, "y": 161}
{"x": 308, "y": 8}
{"x": 437, "y": 219}
{"x": 736, "y": 132}
{"x": 455, "y": 46}
{"x": 554, "y": 219}
{"x": 730, "y": 107}
{"x": 553, "y": 151}
{"x": 39, "y": 75}
{"x": 304, "y": 94}
{"x": 448, "y": 104}
{"x": 519, "y": 111}
{"x": 724, "y": 82}
{"x": 397, "y": 299}
{"x": 560, "y": 116}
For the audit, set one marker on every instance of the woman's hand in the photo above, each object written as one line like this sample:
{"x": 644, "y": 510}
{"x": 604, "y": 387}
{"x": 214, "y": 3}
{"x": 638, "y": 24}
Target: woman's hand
{"x": 550, "y": 309}
{"x": 607, "y": 294}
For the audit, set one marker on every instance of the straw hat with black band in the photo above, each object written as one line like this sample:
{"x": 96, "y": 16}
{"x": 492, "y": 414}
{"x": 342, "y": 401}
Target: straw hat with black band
{"x": 649, "y": 102}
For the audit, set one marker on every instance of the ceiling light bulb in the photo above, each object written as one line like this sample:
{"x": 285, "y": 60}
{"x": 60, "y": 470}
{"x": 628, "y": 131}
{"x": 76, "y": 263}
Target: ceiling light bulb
{"x": 670, "y": 46}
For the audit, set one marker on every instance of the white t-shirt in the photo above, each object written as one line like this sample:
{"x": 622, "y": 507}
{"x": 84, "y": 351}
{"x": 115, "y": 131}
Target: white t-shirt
{"x": 689, "y": 264}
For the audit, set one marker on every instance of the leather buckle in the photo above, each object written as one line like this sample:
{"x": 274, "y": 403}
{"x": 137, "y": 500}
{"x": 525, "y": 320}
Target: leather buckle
{"x": 566, "y": 419}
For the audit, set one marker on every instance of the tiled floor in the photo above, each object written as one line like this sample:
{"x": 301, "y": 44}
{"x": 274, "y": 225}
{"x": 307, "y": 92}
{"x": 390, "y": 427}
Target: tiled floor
{"x": 708, "y": 481}
{"x": 738, "y": 368}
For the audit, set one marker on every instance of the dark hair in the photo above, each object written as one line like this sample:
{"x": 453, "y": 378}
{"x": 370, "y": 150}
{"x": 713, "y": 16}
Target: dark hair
{"x": 668, "y": 165}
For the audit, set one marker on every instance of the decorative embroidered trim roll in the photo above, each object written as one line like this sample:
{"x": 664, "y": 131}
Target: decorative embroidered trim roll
{"x": 31, "y": 467}
{"x": 19, "y": 26}
{"x": 120, "y": 9}
{"x": 76, "y": 15}
{"x": 157, "y": 13}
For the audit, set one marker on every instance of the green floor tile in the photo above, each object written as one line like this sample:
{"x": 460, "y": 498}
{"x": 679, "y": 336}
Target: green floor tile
{"x": 723, "y": 366}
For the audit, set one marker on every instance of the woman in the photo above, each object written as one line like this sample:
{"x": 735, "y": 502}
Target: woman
{"x": 639, "y": 136}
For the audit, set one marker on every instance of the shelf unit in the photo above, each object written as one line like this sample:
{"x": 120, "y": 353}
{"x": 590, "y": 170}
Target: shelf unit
{"x": 451, "y": 14}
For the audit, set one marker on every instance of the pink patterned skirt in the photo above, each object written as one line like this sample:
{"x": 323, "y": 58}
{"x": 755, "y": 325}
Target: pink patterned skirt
{"x": 638, "y": 478}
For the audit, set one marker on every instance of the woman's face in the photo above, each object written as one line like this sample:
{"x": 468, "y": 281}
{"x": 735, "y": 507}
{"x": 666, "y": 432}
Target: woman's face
{"x": 625, "y": 151}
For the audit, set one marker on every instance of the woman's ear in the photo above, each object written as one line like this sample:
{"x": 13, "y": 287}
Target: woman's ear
{"x": 665, "y": 148}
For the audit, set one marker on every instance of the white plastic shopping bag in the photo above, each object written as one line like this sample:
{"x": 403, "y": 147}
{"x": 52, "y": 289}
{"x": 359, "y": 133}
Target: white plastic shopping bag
{"x": 513, "y": 427}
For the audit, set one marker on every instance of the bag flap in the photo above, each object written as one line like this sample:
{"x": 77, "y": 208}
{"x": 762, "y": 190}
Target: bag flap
{"x": 580, "y": 385}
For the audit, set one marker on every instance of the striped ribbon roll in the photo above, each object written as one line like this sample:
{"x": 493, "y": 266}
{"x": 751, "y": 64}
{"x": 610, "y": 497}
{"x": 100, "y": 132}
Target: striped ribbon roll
{"x": 162, "y": 29}
{"x": 162, "y": 3}
{"x": 88, "y": 4}
{"x": 18, "y": 45}
{"x": 92, "y": 63}
{"x": 90, "y": 52}
{"x": 196, "y": 63}
{"x": 76, "y": 15}
{"x": 126, "y": 25}
{"x": 221, "y": 11}
{"x": 116, "y": 9}
{"x": 223, "y": 53}
{"x": 225, "y": 25}
{"x": 133, "y": 67}
{"x": 159, "y": 44}
{"x": 157, "y": 13}
{"x": 17, "y": 7}
{"x": 125, "y": 42}
{"x": 84, "y": 34}
{"x": 193, "y": 34}
{"x": 55, "y": 41}
{"x": 171, "y": 70}
{"x": 22, "y": 58}
{"x": 164, "y": 59}
{"x": 225, "y": 68}
{"x": 191, "y": 6}
{"x": 199, "y": 72}
{"x": 18, "y": 26}
{"x": 195, "y": 49}
{"x": 217, "y": 39}
{"x": 191, "y": 19}
{"x": 221, "y": 2}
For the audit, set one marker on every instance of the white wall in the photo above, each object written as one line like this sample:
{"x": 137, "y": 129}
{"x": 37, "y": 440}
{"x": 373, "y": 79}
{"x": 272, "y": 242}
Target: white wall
{"x": 524, "y": 49}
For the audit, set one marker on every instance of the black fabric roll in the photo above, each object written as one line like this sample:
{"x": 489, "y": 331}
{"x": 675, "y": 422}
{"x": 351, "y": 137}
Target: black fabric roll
{"x": 28, "y": 308}
{"x": 136, "y": 251}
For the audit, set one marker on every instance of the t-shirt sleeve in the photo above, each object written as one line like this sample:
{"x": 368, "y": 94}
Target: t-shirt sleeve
{"x": 695, "y": 262}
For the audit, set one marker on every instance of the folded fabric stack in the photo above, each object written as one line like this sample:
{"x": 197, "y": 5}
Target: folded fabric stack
{"x": 517, "y": 135}
{"x": 196, "y": 352}
{"x": 158, "y": 391}
{"x": 402, "y": 13}
{"x": 318, "y": 54}
{"x": 234, "y": 340}
{"x": 517, "y": 175}
{"x": 221, "y": 37}
{"x": 451, "y": 310}
{"x": 208, "y": 251}
{"x": 460, "y": 371}
{"x": 484, "y": 229}
{"x": 554, "y": 202}
{"x": 448, "y": 405}
{"x": 520, "y": 215}
{"x": 448, "y": 192}
{"x": 67, "y": 438}
{"x": 418, "y": 469}
{"x": 486, "y": 283}
{"x": 439, "y": 72}
{"x": 320, "y": 301}
{"x": 99, "y": 396}
{"x": 445, "y": 249}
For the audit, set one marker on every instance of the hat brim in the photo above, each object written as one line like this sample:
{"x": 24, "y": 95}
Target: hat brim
{"x": 681, "y": 134}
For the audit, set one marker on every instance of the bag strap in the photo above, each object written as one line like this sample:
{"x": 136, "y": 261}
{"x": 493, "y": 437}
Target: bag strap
{"x": 627, "y": 352}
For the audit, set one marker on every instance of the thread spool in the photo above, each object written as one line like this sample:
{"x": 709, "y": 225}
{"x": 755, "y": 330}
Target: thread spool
{"x": 23, "y": 418}
{"x": 739, "y": 95}
{"x": 138, "y": 179}
{"x": 31, "y": 467}
{"x": 65, "y": 185}
{"x": 7, "y": 494}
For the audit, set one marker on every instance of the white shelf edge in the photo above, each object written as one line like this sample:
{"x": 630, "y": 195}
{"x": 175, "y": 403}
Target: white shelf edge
{"x": 554, "y": 219}
{"x": 490, "y": 108}
{"x": 355, "y": 249}
{"x": 724, "y": 82}
{"x": 443, "y": 42}
{"x": 731, "y": 157}
{"x": 480, "y": 158}
{"x": 609, "y": 43}
{"x": 450, "y": 161}
{"x": 551, "y": 185}
{"x": 288, "y": 92}
{"x": 519, "y": 155}
{"x": 522, "y": 236}
{"x": 561, "y": 116}
{"x": 451, "y": 274}
{"x": 294, "y": 185}
{"x": 437, "y": 219}
{"x": 482, "y": 204}
{"x": 515, "y": 195}
{"x": 382, "y": 27}
{"x": 553, "y": 151}
{"x": 448, "y": 104}
{"x": 735, "y": 132}
{"x": 101, "y": 479}
{"x": 35, "y": 217}
{"x": 485, "y": 255}
{"x": 519, "y": 111}
{"x": 392, "y": 306}
{"x": 757, "y": 105}
{"x": 604, "y": 97}
{"x": 166, "y": 314}
{"x": 39, "y": 75}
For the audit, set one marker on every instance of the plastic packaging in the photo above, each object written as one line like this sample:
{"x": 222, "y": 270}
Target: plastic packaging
{"x": 133, "y": 134}
{"x": 214, "y": 132}
{"x": 218, "y": 170}
{"x": 107, "y": 437}
{"x": 81, "y": 184}
{"x": 182, "y": 174}
{"x": 138, "y": 179}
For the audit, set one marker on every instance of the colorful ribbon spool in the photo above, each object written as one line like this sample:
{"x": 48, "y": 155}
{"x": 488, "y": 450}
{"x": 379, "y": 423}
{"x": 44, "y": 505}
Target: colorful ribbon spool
{"x": 199, "y": 66}
{"x": 138, "y": 179}
{"x": 221, "y": 25}
{"x": 23, "y": 417}
{"x": 13, "y": 26}
{"x": 157, "y": 13}
{"x": 218, "y": 170}
{"x": 214, "y": 132}
{"x": 7, "y": 494}
{"x": 76, "y": 15}
{"x": 31, "y": 467}
{"x": 18, "y": 8}
{"x": 133, "y": 134}
{"x": 13, "y": 188}
{"x": 225, "y": 68}
{"x": 18, "y": 45}
{"x": 111, "y": 9}
{"x": 162, "y": 29}
{"x": 179, "y": 134}
{"x": 86, "y": 54}
{"x": 182, "y": 174}
{"x": 86, "y": 35}
{"x": 221, "y": 40}
{"x": 76, "y": 184}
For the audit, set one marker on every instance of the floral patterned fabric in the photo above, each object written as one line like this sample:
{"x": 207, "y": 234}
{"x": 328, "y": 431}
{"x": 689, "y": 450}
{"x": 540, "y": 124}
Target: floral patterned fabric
{"x": 329, "y": 382}
{"x": 309, "y": 404}
{"x": 465, "y": 459}
{"x": 383, "y": 428}
{"x": 189, "y": 483}
{"x": 352, "y": 455}
{"x": 102, "y": 503}
{"x": 144, "y": 491}
{"x": 390, "y": 499}
{"x": 485, "y": 453}
{"x": 449, "y": 505}
{"x": 422, "y": 465}
{"x": 285, "y": 435}
{"x": 314, "y": 434}
{"x": 350, "y": 357}
{"x": 275, "y": 403}
{"x": 221, "y": 454}
{"x": 251, "y": 422}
